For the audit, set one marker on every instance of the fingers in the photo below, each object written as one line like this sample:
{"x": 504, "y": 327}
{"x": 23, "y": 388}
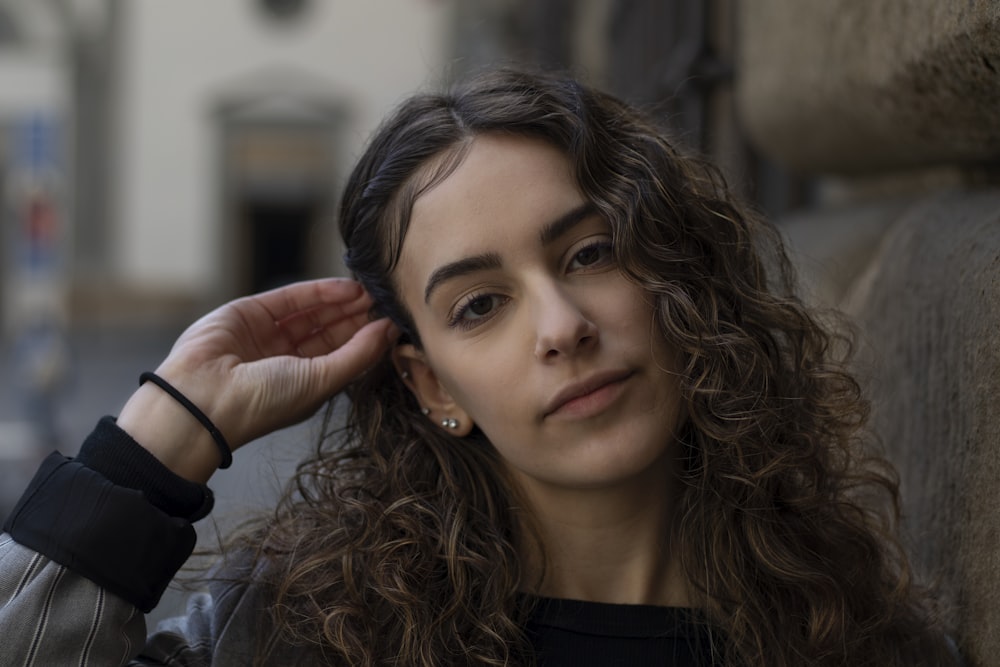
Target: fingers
{"x": 307, "y": 319}
{"x": 369, "y": 344}
{"x": 293, "y": 300}
{"x": 323, "y": 336}
{"x": 332, "y": 324}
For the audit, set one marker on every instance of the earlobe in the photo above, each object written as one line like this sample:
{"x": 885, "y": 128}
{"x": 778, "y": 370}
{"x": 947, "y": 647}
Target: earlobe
{"x": 435, "y": 400}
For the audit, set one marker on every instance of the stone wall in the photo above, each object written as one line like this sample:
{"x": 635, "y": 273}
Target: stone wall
{"x": 895, "y": 108}
{"x": 870, "y": 85}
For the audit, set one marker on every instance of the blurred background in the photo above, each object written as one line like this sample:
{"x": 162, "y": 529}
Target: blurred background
{"x": 158, "y": 158}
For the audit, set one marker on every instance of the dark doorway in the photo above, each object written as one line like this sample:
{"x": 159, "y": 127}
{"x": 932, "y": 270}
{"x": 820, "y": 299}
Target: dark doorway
{"x": 279, "y": 235}
{"x": 278, "y": 145}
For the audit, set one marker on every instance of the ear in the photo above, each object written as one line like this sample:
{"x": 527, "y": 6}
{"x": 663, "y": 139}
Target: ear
{"x": 420, "y": 378}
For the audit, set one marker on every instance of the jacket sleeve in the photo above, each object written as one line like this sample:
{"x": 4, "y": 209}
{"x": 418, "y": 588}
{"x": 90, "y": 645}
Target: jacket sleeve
{"x": 91, "y": 545}
{"x": 53, "y": 616}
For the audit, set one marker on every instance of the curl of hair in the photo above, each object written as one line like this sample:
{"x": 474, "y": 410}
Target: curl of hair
{"x": 400, "y": 542}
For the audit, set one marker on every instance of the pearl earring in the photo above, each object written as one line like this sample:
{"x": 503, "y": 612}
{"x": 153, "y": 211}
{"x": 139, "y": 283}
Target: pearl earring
{"x": 449, "y": 423}
{"x": 425, "y": 411}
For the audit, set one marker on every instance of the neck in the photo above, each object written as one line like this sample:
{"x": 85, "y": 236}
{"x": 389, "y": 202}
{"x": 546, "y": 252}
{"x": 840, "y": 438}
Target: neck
{"x": 605, "y": 545}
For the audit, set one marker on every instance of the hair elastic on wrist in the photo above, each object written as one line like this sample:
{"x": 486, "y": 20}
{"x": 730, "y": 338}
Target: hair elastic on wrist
{"x": 220, "y": 441}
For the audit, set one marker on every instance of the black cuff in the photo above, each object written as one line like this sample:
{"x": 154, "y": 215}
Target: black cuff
{"x": 106, "y": 533}
{"x": 121, "y": 460}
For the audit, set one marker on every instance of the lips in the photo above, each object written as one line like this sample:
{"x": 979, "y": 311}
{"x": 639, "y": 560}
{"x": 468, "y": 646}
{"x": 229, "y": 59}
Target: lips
{"x": 594, "y": 387}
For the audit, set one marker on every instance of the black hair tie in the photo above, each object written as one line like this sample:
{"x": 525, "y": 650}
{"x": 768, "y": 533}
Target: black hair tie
{"x": 220, "y": 441}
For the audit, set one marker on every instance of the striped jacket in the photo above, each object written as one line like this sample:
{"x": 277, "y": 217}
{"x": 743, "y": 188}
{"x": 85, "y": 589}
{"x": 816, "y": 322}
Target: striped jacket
{"x": 86, "y": 553}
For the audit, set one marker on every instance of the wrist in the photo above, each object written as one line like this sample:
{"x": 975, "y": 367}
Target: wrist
{"x": 161, "y": 425}
{"x": 225, "y": 453}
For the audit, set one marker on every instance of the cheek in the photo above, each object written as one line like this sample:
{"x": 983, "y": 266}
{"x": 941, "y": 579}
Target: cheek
{"x": 491, "y": 393}
{"x": 493, "y": 390}
{"x": 630, "y": 318}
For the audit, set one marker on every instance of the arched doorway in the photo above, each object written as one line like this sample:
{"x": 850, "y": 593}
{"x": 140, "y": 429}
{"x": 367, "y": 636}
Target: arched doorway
{"x": 277, "y": 198}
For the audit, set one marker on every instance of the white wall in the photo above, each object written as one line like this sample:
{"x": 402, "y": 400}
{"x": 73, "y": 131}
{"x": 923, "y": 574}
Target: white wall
{"x": 32, "y": 82}
{"x": 179, "y": 56}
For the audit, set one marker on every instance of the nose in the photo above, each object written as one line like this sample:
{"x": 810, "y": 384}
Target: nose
{"x": 563, "y": 328}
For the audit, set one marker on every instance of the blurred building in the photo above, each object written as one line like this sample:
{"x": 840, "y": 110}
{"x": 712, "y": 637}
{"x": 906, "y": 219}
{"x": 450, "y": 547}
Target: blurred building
{"x": 201, "y": 145}
{"x": 158, "y": 158}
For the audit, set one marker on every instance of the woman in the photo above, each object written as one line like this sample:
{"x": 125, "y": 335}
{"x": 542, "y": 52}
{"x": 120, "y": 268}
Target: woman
{"x": 594, "y": 426}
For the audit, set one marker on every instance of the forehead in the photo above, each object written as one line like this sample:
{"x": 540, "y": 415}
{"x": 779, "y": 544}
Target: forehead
{"x": 501, "y": 185}
{"x": 492, "y": 164}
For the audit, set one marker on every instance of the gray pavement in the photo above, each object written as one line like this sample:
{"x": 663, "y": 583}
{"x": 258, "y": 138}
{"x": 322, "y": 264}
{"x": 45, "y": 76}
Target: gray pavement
{"x": 103, "y": 371}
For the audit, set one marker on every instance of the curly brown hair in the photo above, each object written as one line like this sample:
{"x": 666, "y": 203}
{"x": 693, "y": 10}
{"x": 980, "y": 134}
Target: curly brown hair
{"x": 397, "y": 539}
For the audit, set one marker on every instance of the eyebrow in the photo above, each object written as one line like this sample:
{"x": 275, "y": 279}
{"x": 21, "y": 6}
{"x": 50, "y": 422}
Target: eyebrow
{"x": 485, "y": 262}
{"x": 566, "y": 222}
{"x": 491, "y": 260}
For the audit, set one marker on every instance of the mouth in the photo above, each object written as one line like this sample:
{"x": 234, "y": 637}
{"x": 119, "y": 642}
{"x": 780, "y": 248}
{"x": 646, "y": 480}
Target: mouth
{"x": 588, "y": 396}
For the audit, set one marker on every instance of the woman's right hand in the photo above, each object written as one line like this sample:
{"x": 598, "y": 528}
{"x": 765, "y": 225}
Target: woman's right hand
{"x": 254, "y": 365}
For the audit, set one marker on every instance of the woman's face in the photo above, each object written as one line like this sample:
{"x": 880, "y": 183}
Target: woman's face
{"x": 529, "y": 329}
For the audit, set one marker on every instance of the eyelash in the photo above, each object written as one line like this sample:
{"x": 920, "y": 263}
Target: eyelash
{"x": 600, "y": 244}
{"x": 458, "y": 321}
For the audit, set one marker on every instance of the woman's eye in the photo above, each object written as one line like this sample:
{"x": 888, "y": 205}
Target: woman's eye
{"x": 479, "y": 306}
{"x": 596, "y": 254}
{"x": 476, "y": 309}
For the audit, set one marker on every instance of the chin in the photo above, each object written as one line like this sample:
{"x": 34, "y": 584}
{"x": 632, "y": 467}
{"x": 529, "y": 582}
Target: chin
{"x": 609, "y": 468}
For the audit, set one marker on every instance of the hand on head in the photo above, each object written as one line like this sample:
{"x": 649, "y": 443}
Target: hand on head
{"x": 254, "y": 365}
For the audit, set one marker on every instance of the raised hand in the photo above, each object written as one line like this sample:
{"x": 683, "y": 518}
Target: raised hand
{"x": 254, "y": 365}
